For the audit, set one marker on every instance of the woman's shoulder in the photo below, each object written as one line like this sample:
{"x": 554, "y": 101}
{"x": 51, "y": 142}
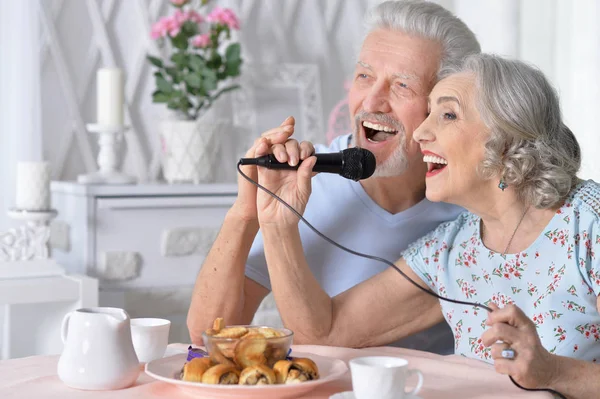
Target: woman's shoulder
{"x": 585, "y": 199}
{"x": 465, "y": 220}
{"x": 465, "y": 223}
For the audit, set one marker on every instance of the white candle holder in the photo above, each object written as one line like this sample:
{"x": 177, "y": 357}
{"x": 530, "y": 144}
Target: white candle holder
{"x": 108, "y": 173}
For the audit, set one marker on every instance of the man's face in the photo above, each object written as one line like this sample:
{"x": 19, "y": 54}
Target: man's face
{"x": 388, "y": 97}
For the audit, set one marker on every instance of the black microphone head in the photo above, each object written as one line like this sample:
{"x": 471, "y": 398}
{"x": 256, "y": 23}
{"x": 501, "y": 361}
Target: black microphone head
{"x": 358, "y": 163}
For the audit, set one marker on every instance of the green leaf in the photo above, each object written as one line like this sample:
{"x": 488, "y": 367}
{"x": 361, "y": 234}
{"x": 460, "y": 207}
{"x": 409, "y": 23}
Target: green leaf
{"x": 172, "y": 104}
{"x": 197, "y": 63}
{"x": 174, "y": 74}
{"x": 209, "y": 84}
{"x": 233, "y": 68}
{"x": 215, "y": 60}
{"x": 233, "y": 52}
{"x": 157, "y": 62}
{"x": 189, "y": 28}
{"x": 160, "y": 97}
{"x": 193, "y": 80}
{"x": 163, "y": 85}
{"x": 179, "y": 59}
{"x": 180, "y": 41}
{"x": 209, "y": 74}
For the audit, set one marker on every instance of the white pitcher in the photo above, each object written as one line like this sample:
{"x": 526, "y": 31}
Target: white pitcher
{"x": 98, "y": 352}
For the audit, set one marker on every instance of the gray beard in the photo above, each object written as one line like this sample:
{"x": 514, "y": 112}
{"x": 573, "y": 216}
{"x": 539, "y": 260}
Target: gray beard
{"x": 397, "y": 163}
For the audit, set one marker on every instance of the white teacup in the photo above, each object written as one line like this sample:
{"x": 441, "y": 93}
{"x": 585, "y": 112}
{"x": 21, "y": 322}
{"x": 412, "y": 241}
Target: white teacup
{"x": 382, "y": 377}
{"x": 150, "y": 338}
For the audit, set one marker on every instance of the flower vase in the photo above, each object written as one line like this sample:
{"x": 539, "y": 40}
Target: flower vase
{"x": 189, "y": 148}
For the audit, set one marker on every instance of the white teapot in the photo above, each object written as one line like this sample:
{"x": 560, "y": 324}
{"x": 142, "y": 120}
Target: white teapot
{"x": 98, "y": 352}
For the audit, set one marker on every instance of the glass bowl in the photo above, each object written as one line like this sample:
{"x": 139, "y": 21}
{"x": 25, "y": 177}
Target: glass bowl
{"x": 258, "y": 345}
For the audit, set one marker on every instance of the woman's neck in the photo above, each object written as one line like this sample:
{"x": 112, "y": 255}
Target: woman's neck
{"x": 508, "y": 224}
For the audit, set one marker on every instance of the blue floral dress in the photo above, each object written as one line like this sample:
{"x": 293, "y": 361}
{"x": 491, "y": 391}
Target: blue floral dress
{"x": 556, "y": 281}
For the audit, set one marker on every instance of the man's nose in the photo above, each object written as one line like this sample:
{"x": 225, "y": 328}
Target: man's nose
{"x": 377, "y": 99}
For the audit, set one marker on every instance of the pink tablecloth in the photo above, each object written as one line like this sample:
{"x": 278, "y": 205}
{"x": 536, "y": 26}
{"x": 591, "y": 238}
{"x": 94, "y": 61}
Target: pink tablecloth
{"x": 445, "y": 377}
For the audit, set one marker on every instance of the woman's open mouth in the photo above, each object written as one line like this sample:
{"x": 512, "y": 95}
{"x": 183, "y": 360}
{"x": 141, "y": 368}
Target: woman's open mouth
{"x": 435, "y": 164}
{"x": 376, "y": 133}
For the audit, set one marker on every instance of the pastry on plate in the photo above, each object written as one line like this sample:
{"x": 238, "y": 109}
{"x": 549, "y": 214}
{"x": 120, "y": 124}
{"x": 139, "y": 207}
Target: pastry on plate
{"x": 257, "y": 375}
{"x": 221, "y": 374}
{"x": 294, "y": 371}
{"x": 195, "y": 369}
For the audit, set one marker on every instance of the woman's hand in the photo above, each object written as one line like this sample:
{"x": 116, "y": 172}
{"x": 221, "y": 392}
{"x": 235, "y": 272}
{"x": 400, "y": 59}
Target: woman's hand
{"x": 532, "y": 365}
{"x": 294, "y": 187}
{"x": 245, "y": 204}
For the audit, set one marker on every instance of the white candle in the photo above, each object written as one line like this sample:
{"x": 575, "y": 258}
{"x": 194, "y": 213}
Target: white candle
{"x": 33, "y": 186}
{"x": 110, "y": 97}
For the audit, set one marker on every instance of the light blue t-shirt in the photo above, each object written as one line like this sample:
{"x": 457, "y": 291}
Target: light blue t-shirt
{"x": 556, "y": 281}
{"x": 342, "y": 210}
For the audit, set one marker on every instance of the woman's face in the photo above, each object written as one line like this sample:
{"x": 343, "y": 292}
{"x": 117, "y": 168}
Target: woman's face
{"x": 452, "y": 140}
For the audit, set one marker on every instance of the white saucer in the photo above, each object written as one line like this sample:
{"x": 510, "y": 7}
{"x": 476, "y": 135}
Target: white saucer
{"x": 350, "y": 395}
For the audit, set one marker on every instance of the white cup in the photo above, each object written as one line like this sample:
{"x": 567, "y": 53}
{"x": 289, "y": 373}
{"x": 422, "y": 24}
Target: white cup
{"x": 382, "y": 377}
{"x": 150, "y": 338}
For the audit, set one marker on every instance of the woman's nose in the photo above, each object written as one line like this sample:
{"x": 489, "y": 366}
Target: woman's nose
{"x": 423, "y": 133}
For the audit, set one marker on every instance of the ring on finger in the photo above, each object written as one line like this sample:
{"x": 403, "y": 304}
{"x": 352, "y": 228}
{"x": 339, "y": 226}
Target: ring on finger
{"x": 508, "y": 353}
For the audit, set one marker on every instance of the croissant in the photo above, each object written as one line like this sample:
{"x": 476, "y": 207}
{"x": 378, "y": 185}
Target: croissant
{"x": 221, "y": 374}
{"x": 257, "y": 375}
{"x": 195, "y": 369}
{"x": 295, "y": 371}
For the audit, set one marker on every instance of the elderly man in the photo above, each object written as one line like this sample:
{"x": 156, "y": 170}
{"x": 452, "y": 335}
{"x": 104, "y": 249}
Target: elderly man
{"x": 407, "y": 46}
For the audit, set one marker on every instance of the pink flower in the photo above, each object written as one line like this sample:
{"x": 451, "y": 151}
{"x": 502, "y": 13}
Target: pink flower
{"x": 171, "y": 26}
{"x": 201, "y": 41}
{"x": 224, "y": 16}
{"x": 167, "y": 26}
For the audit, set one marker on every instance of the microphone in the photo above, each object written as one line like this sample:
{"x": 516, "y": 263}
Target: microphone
{"x": 352, "y": 163}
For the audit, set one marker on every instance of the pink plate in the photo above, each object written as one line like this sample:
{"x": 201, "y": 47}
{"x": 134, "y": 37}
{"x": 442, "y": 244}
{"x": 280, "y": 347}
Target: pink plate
{"x": 167, "y": 368}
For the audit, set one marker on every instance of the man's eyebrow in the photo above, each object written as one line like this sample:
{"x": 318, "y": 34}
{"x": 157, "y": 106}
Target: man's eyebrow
{"x": 408, "y": 76}
{"x": 364, "y": 65}
{"x": 444, "y": 99}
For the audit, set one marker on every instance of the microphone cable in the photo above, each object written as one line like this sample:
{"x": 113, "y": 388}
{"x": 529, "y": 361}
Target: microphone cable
{"x": 388, "y": 263}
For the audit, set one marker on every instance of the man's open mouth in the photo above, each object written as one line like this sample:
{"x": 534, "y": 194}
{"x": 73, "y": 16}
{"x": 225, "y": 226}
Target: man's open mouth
{"x": 377, "y": 133}
{"x": 434, "y": 163}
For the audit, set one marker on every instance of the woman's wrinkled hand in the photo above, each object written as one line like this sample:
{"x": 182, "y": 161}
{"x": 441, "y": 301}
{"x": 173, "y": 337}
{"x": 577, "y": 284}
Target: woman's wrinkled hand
{"x": 293, "y": 186}
{"x": 532, "y": 365}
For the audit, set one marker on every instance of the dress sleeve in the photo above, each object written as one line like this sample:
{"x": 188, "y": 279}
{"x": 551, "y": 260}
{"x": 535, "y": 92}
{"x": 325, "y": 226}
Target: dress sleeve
{"x": 429, "y": 255}
{"x": 587, "y": 248}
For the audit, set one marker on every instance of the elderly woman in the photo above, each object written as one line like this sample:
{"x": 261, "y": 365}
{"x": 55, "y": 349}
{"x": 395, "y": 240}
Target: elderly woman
{"x": 495, "y": 144}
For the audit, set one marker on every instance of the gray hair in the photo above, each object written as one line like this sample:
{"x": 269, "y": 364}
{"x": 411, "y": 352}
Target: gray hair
{"x": 428, "y": 21}
{"x": 529, "y": 146}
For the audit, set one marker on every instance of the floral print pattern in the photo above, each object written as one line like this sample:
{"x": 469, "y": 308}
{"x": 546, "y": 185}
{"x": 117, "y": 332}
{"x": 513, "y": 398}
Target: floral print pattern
{"x": 555, "y": 281}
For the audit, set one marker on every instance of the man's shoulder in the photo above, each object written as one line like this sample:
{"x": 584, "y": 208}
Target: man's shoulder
{"x": 337, "y": 144}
